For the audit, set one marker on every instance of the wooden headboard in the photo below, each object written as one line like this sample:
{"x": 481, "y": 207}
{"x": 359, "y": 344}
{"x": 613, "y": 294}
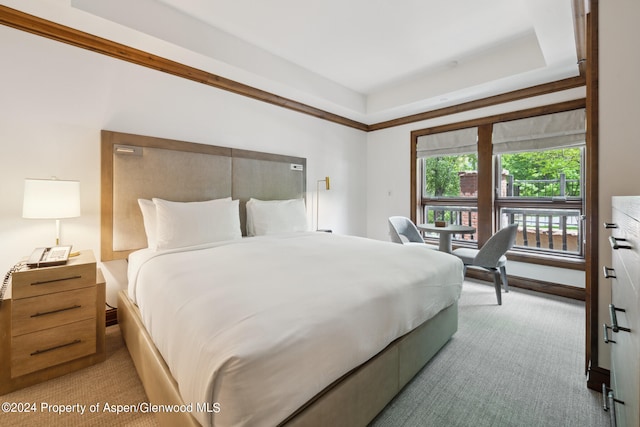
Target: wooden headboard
{"x": 135, "y": 166}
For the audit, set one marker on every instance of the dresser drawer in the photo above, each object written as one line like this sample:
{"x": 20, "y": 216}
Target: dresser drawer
{"x": 48, "y": 311}
{"x": 79, "y": 272}
{"x": 625, "y": 311}
{"x": 42, "y": 349}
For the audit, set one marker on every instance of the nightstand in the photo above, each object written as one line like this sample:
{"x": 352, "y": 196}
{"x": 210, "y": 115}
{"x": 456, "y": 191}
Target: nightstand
{"x": 52, "y": 322}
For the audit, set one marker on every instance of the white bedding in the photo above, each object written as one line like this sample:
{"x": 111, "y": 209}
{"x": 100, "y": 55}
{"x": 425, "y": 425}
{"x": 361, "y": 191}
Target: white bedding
{"x": 263, "y": 324}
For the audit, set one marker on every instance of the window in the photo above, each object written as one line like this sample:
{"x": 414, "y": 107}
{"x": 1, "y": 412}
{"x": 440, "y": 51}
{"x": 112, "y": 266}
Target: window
{"x": 449, "y": 163}
{"x": 539, "y": 161}
{"x": 529, "y": 170}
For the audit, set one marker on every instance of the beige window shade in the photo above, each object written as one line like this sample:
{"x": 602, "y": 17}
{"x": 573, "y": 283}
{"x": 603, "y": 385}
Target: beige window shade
{"x": 551, "y": 131}
{"x": 462, "y": 141}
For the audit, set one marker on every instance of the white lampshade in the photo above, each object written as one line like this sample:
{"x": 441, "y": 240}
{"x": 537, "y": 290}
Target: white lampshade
{"x": 51, "y": 199}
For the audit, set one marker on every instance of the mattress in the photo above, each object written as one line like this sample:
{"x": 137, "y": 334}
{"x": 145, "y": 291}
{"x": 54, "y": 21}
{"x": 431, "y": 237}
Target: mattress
{"x": 252, "y": 329}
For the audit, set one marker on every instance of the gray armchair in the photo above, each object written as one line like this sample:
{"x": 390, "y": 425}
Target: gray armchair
{"x": 492, "y": 257}
{"x": 402, "y": 230}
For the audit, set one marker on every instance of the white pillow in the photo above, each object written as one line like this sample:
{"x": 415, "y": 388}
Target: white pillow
{"x": 148, "y": 209}
{"x": 276, "y": 216}
{"x": 193, "y": 223}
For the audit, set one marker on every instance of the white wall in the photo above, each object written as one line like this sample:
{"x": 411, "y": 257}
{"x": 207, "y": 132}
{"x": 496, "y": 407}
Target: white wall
{"x": 619, "y": 171}
{"x": 55, "y": 99}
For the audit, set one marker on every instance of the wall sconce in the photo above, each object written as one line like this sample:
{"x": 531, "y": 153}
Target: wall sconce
{"x": 51, "y": 199}
{"x": 327, "y": 186}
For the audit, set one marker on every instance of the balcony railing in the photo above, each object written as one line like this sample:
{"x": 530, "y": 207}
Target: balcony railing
{"x": 547, "y": 230}
{"x": 556, "y": 230}
{"x": 561, "y": 187}
{"x": 460, "y": 215}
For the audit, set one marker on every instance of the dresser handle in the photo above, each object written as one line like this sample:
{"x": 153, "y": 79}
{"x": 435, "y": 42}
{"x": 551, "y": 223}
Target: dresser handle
{"x": 609, "y": 273}
{"x": 614, "y": 319}
{"x": 610, "y": 225}
{"x": 43, "y": 282}
{"x": 612, "y": 406}
{"x": 609, "y": 403}
{"x": 605, "y": 333}
{"x": 73, "y": 307}
{"x": 35, "y": 353}
{"x": 615, "y": 243}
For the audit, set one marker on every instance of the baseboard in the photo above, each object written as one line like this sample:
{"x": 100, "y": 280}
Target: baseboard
{"x": 533, "y": 285}
{"x": 111, "y": 317}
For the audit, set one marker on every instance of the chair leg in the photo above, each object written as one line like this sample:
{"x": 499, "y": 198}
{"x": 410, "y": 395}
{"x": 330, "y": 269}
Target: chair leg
{"x": 496, "y": 283}
{"x": 503, "y": 274}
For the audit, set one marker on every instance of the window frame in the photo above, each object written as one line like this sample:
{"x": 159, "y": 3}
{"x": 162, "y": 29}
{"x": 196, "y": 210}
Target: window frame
{"x": 545, "y": 203}
{"x": 488, "y": 202}
{"x": 461, "y": 201}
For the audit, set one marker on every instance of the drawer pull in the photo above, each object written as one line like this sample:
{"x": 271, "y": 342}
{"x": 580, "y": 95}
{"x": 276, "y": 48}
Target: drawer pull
{"x": 609, "y": 403}
{"x": 610, "y": 225}
{"x": 609, "y": 273}
{"x": 62, "y": 279}
{"x": 605, "y": 333}
{"x": 612, "y": 406}
{"x": 605, "y": 402}
{"x": 73, "y": 307}
{"x": 37, "y": 352}
{"x": 615, "y": 243}
{"x": 614, "y": 319}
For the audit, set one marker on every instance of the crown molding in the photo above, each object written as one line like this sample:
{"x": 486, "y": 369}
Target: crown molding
{"x": 26, "y": 22}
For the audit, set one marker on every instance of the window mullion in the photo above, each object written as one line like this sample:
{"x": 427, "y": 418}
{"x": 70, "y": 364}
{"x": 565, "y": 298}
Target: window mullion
{"x": 485, "y": 192}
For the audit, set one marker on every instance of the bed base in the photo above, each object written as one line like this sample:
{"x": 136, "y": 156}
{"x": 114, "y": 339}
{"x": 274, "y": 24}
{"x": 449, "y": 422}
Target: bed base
{"x": 353, "y": 400}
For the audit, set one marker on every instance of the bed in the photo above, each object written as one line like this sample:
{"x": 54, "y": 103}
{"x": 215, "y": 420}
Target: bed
{"x": 280, "y": 327}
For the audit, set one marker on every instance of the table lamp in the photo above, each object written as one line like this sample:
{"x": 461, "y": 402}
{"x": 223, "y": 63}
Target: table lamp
{"x": 51, "y": 199}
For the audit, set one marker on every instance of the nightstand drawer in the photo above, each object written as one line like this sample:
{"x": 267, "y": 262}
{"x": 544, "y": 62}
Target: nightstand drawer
{"x": 79, "y": 272}
{"x": 39, "y": 350}
{"x": 48, "y": 311}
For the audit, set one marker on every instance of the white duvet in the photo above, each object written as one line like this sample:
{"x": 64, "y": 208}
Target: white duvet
{"x": 259, "y": 326}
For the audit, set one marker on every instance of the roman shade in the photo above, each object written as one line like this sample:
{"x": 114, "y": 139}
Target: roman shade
{"x": 550, "y": 131}
{"x": 461, "y": 141}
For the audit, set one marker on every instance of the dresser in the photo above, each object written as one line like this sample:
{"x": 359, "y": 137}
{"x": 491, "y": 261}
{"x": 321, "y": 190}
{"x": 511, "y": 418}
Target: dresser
{"x": 52, "y": 322}
{"x": 622, "y": 400}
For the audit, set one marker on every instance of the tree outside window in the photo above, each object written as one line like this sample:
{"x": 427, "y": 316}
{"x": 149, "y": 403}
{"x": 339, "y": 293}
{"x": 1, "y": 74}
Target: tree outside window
{"x": 442, "y": 174}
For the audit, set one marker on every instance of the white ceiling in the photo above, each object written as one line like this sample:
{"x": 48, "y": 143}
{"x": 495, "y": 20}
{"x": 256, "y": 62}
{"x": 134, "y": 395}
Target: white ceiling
{"x": 369, "y": 60}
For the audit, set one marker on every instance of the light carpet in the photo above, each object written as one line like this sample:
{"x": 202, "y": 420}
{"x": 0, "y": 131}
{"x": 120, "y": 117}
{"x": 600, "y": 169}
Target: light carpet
{"x": 519, "y": 364}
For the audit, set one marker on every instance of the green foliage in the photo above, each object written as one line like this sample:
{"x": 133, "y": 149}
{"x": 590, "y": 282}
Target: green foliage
{"x": 544, "y": 165}
{"x": 442, "y": 178}
{"x": 448, "y": 216}
{"x": 441, "y": 174}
